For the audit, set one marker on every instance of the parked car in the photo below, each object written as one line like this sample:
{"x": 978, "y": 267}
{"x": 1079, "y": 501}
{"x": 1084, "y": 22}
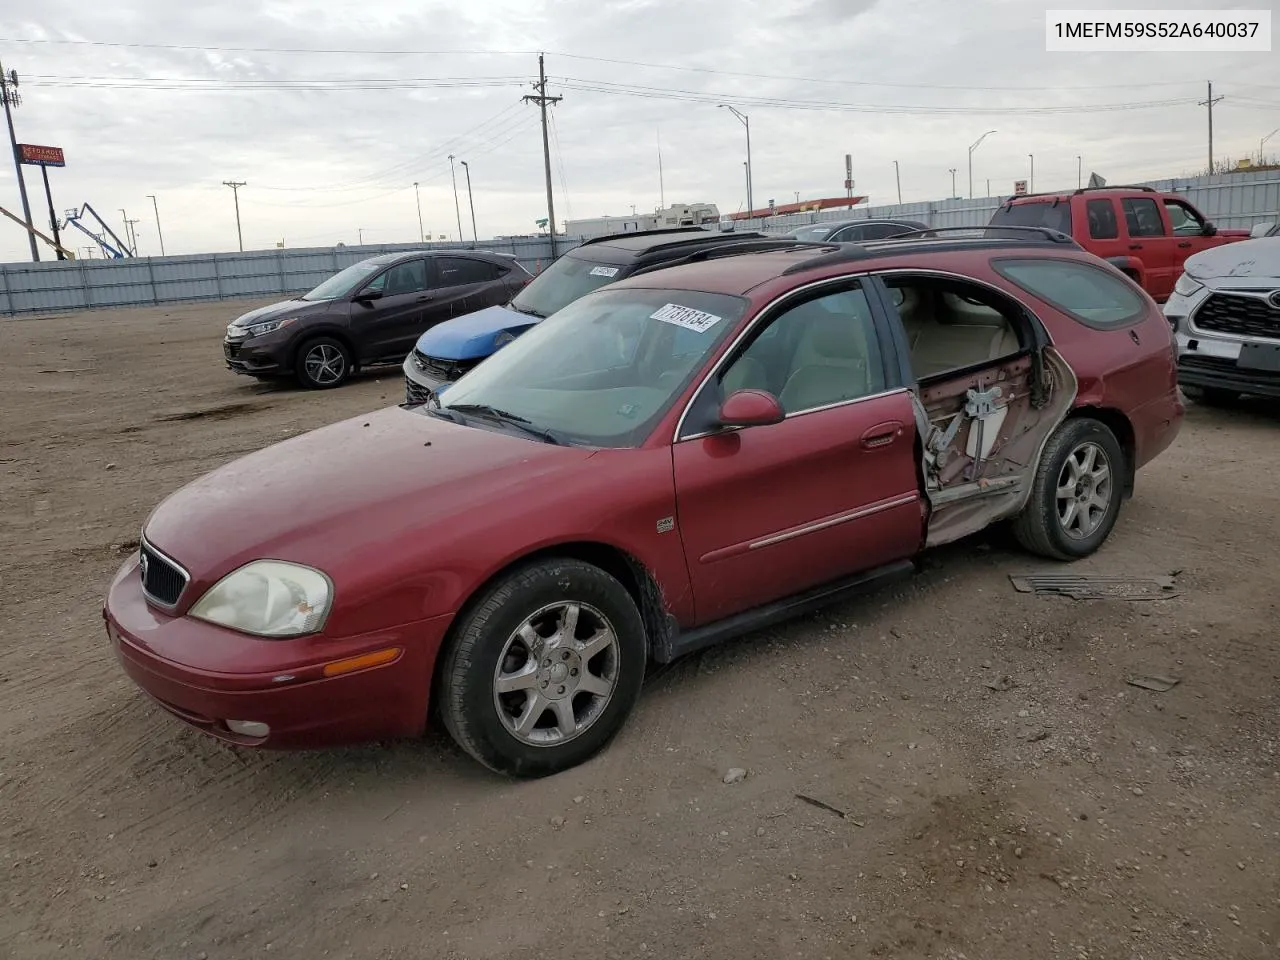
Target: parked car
{"x": 855, "y": 231}
{"x": 446, "y": 352}
{"x": 1146, "y": 234}
{"x": 1225, "y": 312}
{"x": 368, "y": 314}
{"x": 668, "y": 462}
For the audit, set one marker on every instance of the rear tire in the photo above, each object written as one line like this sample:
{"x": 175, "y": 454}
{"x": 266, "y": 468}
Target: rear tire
{"x": 322, "y": 363}
{"x": 1076, "y": 494}
{"x": 542, "y": 672}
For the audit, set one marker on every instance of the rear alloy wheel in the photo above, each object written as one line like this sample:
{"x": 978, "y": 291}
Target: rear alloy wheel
{"x": 1075, "y": 497}
{"x": 542, "y": 672}
{"x": 323, "y": 363}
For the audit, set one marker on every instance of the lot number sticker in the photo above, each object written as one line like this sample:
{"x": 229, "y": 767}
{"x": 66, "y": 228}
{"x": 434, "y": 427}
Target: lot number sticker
{"x": 686, "y": 317}
{"x": 604, "y": 272}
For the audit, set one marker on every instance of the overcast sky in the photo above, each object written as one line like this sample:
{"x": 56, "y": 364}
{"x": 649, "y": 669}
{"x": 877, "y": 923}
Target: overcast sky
{"x": 165, "y": 99}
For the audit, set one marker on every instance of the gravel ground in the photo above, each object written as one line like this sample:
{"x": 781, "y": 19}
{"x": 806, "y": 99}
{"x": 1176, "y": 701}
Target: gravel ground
{"x": 996, "y": 788}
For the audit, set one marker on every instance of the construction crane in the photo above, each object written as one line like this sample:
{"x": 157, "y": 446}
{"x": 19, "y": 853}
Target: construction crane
{"x": 118, "y": 252}
{"x": 36, "y": 233}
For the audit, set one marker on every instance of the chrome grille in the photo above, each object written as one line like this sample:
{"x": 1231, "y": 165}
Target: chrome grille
{"x": 449, "y": 370}
{"x": 1237, "y": 314}
{"x": 162, "y": 580}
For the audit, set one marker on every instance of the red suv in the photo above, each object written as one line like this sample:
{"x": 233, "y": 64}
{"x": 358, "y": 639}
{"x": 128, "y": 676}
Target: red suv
{"x": 1146, "y": 234}
{"x": 683, "y": 456}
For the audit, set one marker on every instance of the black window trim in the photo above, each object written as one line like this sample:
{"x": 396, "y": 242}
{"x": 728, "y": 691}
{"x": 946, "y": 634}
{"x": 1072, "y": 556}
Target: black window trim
{"x": 881, "y": 324}
{"x": 1110, "y": 272}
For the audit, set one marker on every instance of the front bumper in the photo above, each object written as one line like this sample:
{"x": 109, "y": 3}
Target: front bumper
{"x": 1244, "y": 356}
{"x": 249, "y": 358}
{"x": 424, "y": 376}
{"x": 206, "y": 675}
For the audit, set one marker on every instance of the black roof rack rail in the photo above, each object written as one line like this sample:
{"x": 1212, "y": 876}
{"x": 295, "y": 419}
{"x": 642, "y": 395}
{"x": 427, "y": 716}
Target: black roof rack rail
{"x": 838, "y": 253}
{"x": 644, "y": 233}
{"x": 748, "y": 243}
{"x": 660, "y": 250}
{"x": 1062, "y": 194}
{"x": 1046, "y": 233}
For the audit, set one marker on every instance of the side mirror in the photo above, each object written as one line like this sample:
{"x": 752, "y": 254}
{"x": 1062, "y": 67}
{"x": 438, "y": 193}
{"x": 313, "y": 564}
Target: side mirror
{"x": 368, "y": 296}
{"x": 750, "y": 408}
{"x": 1209, "y": 229}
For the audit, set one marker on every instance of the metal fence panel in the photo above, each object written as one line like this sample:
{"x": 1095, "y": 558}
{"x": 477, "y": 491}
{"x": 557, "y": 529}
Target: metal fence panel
{"x": 1229, "y": 200}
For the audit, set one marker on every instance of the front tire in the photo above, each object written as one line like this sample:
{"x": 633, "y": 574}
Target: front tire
{"x": 323, "y": 363}
{"x": 1075, "y": 497}
{"x": 542, "y": 672}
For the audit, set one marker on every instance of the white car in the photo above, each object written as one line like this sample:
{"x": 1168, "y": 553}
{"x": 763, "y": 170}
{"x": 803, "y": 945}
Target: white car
{"x": 1225, "y": 312}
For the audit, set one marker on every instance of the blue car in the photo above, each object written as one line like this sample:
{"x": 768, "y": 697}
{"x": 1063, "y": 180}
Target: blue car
{"x": 450, "y": 349}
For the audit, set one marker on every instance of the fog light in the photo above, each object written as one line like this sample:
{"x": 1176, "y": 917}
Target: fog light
{"x": 248, "y": 728}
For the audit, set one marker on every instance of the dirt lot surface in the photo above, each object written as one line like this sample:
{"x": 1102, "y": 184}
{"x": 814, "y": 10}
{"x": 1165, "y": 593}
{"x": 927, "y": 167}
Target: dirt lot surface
{"x": 1007, "y": 794}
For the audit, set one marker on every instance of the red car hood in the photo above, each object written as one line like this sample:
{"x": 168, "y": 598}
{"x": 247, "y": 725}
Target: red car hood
{"x": 325, "y": 495}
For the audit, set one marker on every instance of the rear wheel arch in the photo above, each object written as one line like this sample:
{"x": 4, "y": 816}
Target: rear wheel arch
{"x": 1119, "y": 425}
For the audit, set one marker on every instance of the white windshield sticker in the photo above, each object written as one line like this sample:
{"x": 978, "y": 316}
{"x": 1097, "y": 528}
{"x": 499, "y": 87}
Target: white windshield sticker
{"x": 686, "y": 317}
{"x": 604, "y": 271}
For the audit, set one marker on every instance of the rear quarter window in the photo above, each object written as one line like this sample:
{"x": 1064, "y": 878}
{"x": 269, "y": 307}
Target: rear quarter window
{"x": 1088, "y": 294}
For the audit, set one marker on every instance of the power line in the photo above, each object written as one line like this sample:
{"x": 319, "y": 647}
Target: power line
{"x": 583, "y": 57}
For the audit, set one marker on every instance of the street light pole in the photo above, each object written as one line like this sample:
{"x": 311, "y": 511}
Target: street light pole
{"x": 156, "y": 207}
{"x": 1263, "y": 142}
{"x": 1031, "y": 181}
{"x": 1079, "y": 172}
{"x": 898, "y": 179}
{"x": 746, "y": 122}
{"x": 453, "y": 172}
{"x": 422, "y": 232}
{"x": 952, "y": 170}
{"x": 471, "y": 202}
{"x": 972, "y": 147}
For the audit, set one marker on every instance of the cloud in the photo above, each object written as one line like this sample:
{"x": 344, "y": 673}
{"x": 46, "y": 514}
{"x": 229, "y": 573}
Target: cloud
{"x": 331, "y": 143}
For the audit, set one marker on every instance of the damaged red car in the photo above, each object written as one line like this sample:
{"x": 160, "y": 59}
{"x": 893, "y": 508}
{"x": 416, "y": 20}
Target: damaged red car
{"x": 676, "y": 459}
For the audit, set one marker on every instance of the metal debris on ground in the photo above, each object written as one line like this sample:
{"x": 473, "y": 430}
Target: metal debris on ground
{"x": 1000, "y": 686}
{"x": 830, "y": 809}
{"x": 1086, "y": 587}
{"x": 1157, "y": 684}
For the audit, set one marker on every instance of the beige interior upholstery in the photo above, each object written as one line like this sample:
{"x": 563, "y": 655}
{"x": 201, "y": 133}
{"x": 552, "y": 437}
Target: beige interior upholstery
{"x": 946, "y": 332}
{"x": 746, "y": 373}
{"x": 830, "y": 362}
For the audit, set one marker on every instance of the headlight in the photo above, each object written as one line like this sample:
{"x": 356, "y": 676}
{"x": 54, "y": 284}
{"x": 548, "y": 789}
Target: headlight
{"x": 268, "y": 326}
{"x": 502, "y": 339}
{"x": 268, "y": 598}
{"x": 1186, "y": 285}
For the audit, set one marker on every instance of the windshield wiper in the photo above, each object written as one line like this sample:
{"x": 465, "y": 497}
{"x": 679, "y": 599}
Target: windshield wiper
{"x": 513, "y": 419}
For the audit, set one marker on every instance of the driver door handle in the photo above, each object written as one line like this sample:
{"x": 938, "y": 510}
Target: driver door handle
{"x": 423, "y": 298}
{"x": 1185, "y": 243}
{"x": 881, "y": 435}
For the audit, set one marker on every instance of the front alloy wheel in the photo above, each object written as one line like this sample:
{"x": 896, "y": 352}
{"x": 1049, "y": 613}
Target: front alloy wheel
{"x": 541, "y": 670}
{"x": 323, "y": 364}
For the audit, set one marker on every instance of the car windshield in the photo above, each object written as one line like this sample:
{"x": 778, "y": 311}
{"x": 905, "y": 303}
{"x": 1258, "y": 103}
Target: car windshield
{"x": 565, "y": 281}
{"x": 602, "y": 371}
{"x": 812, "y": 233}
{"x": 344, "y": 283}
{"x": 1055, "y": 216}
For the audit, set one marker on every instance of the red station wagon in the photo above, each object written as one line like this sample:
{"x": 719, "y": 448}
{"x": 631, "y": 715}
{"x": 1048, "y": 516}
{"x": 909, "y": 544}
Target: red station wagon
{"x": 678, "y": 458}
{"x": 1147, "y": 235}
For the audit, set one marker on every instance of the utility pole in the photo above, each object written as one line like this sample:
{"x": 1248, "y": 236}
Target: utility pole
{"x": 662, "y": 186}
{"x": 898, "y": 179}
{"x": 9, "y": 95}
{"x": 1031, "y": 182}
{"x": 133, "y": 235}
{"x": 1210, "y": 103}
{"x": 1079, "y": 171}
{"x": 541, "y": 99}
{"x": 471, "y": 202}
{"x": 422, "y": 232}
{"x": 235, "y": 186}
{"x": 128, "y": 233}
{"x": 156, "y": 207}
{"x": 453, "y": 172}
{"x": 953, "y": 182}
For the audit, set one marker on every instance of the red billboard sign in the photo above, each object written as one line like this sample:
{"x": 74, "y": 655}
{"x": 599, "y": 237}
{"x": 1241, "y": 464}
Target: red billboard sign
{"x": 37, "y": 156}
